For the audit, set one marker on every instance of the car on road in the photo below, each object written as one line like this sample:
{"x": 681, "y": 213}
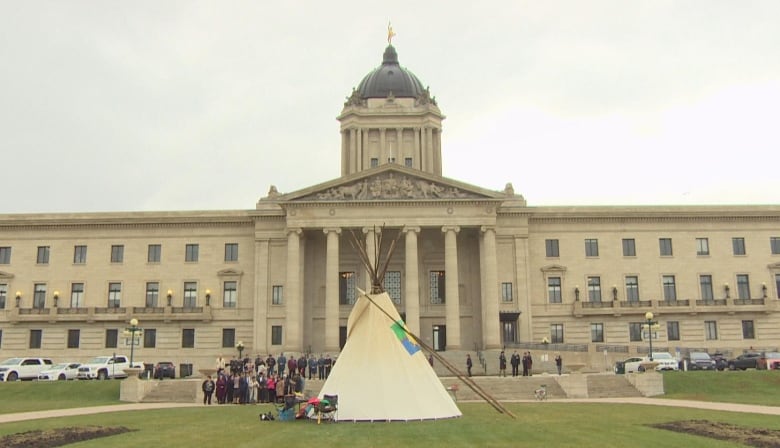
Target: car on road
{"x": 698, "y": 361}
{"x": 62, "y": 371}
{"x": 164, "y": 369}
{"x": 744, "y": 361}
{"x": 768, "y": 361}
{"x": 663, "y": 360}
{"x": 13, "y": 369}
{"x": 631, "y": 365}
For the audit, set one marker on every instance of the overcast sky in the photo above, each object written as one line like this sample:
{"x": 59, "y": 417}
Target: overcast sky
{"x": 201, "y": 105}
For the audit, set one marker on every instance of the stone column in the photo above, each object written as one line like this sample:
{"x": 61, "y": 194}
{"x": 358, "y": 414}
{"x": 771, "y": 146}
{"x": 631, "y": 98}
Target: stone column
{"x": 359, "y": 151}
{"x": 382, "y": 146}
{"x": 353, "y": 136}
{"x": 429, "y": 166}
{"x": 332, "y": 290}
{"x": 451, "y": 282}
{"x": 260, "y": 327}
{"x": 294, "y": 330}
{"x": 491, "y": 331}
{"x": 417, "y": 161}
{"x": 399, "y": 153}
{"x": 412, "y": 281}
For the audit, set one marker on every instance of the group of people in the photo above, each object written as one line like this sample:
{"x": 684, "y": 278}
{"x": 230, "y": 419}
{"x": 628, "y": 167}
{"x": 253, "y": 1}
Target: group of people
{"x": 263, "y": 380}
{"x": 526, "y": 361}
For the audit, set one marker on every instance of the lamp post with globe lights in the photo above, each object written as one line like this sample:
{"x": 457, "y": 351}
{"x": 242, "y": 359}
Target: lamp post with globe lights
{"x": 649, "y": 317}
{"x": 132, "y": 330}
{"x": 240, "y": 348}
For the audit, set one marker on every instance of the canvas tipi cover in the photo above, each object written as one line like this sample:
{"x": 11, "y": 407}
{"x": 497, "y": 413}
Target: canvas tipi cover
{"x": 381, "y": 374}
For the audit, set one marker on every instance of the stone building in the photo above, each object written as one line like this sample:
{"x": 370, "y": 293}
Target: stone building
{"x": 474, "y": 269}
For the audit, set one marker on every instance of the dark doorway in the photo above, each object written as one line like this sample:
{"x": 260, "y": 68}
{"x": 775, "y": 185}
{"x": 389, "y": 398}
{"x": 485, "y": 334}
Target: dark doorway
{"x": 439, "y": 337}
{"x": 342, "y": 337}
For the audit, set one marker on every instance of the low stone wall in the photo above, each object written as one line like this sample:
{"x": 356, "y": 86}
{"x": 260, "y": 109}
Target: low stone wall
{"x": 649, "y": 384}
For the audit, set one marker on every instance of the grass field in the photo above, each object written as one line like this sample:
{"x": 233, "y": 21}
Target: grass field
{"x": 538, "y": 424}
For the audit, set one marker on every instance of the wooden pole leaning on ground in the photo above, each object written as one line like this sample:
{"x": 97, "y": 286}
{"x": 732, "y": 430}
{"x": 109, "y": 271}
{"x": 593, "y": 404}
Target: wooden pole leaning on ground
{"x": 377, "y": 277}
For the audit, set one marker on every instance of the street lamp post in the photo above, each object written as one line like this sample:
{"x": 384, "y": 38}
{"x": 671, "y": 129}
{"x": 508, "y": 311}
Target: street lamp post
{"x": 240, "y": 348}
{"x": 133, "y": 329}
{"x": 650, "y": 323}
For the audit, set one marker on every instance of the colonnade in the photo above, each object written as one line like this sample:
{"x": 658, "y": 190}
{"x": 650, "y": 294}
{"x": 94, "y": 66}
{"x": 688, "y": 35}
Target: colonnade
{"x": 357, "y": 151}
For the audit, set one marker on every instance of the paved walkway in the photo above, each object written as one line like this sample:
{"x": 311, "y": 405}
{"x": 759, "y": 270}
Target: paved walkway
{"x": 728, "y": 407}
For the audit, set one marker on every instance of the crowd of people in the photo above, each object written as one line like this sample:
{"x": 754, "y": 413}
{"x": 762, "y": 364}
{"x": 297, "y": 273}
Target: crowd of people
{"x": 263, "y": 380}
{"x": 516, "y": 361}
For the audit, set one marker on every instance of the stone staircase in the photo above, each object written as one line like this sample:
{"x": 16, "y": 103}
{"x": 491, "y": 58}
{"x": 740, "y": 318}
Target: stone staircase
{"x": 500, "y": 388}
{"x": 610, "y": 386}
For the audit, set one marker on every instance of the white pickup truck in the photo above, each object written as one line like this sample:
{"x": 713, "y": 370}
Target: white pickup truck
{"x": 105, "y": 367}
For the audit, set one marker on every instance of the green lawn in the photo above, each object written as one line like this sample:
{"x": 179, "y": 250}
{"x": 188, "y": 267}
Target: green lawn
{"x": 547, "y": 424}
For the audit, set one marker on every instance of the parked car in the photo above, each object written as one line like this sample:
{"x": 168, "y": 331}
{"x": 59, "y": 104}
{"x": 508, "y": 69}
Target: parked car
{"x": 13, "y": 369}
{"x": 164, "y": 369}
{"x": 61, "y": 371}
{"x": 744, "y": 361}
{"x": 769, "y": 361}
{"x": 104, "y": 367}
{"x": 665, "y": 361}
{"x": 698, "y": 361}
{"x": 631, "y": 365}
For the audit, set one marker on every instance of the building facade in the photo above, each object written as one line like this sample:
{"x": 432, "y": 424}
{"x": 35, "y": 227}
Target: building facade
{"x": 474, "y": 269}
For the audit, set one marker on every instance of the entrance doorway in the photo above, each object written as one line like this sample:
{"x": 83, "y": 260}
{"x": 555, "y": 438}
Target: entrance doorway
{"x": 509, "y": 327}
{"x": 439, "y": 337}
{"x": 342, "y": 337}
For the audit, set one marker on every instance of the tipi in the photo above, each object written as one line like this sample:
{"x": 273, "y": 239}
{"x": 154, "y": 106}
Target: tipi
{"x": 381, "y": 374}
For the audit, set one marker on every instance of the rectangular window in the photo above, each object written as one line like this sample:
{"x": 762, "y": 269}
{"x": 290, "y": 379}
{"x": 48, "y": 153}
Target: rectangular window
{"x": 556, "y": 333}
{"x": 190, "y": 295}
{"x": 597, "y": 332}
{"x": 670, "y": 289}
{"x": 36, "y": 337}
{"x": 154, "y": 253}
{"x": 635, "y": 331}
{"x": 710, "y": 330}
{"x": 39, "y": 296}
{"x": 5, "y": 255}
{"x": 391, "y": 160}
{"x": 276, "y": 335}
{"x": 629, "y": 247}
{"x": 554, "y": 290}
{"x": 374, "y": 162}
{"x": 230, "y": 294}
{"x": 702, "y": 246}
{"x": 743, "y": 286}
{"x": 79, "y": 254}
{"x": 277, "y": 295}
{"x": 436, "y": 283}
{"x": 117, "y": 253}
{"x": 346, "y": 288}
{"x": 76, "y": 295}
{"x": 594, "y": 289}
{"x": 231, "y": 252}
{"x": 551, "y": 248}
{"x": 777, "y": 285}
{"x": 112, "y": 338}
{"x": 673, "y": 330}
{"x": 705, "y": 285}
{"x": 187, "y": 338}
{"x": 748, "y": 331}
{"x": 73, "y": 338}
{"x": 3, "y": 295}
{"x": 739, "y": 246}
{"x": 591, "y": 247}
{"x": 408, "y": 162}
{"x": 150, "y": 338}
{"x": 191, "y": 253}
{"x": 665, "y": 245}
{"x": 43, "y": 255}
{"x": 114, "y": 295}
{"x": 152, "y": 294}
{"x": 632, "y": 288}
{"x": 774, "y": 247}
{"x": 506, "y": 292}
{"x": 228, "y": 337}
{"x": 392, "y": 285}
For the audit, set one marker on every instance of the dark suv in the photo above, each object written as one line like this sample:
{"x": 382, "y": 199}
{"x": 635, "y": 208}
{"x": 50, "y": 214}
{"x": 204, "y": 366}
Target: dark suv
{"x": 744, "y": 361}
{"x": 164, "y": 369}
{"x": 699, "y": 361}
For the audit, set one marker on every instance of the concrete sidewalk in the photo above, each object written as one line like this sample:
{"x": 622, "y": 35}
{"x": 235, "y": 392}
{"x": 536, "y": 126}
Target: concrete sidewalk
{"x": 727, "y": 407}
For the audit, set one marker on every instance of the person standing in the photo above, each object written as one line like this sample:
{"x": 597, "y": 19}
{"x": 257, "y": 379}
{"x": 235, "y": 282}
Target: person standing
{"x": 502, "y": 364}
{"x": 302, "y": 365}
{"x": 220, "y": 363}
{"x": 321, "y": 367}
{"x": 208, "y": 389}
{"x": 515, "y": 361}
{"x": 221, "y": 388}
{"x": 558, "y": 363}
{"x": 468, "y": 363}
{"x": 281, "y": 364}
{"x": 312, "y": 366}
{"x": 271, "y": 363}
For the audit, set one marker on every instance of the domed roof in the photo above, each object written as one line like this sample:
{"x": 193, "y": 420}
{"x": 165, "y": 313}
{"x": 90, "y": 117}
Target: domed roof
{"x": 390, "y": 77}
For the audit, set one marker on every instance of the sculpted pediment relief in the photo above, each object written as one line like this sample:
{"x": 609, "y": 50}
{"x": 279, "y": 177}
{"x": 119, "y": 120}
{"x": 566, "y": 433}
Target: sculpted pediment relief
{"x": 391, "y": 185}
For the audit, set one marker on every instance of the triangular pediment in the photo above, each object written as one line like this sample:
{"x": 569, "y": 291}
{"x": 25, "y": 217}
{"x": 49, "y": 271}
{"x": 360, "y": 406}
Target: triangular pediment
{"x": 5, "y": 275}
{"x": 391, "y": 183}
{"x": 229, "y": 273}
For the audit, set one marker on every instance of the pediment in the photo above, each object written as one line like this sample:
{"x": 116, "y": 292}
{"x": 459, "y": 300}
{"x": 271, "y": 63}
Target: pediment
{"x": 230, "y": 273}
{"x": 6, "y": 275}
{"x": 392, "y": 183}
{"x": 553, "y": 268}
